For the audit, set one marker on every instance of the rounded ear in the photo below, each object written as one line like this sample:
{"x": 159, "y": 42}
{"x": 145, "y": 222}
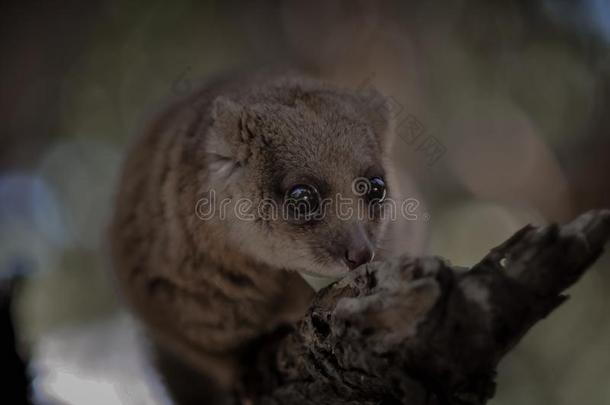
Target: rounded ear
{"x": 225, "y": 134}
{"x": 226, "y": 113}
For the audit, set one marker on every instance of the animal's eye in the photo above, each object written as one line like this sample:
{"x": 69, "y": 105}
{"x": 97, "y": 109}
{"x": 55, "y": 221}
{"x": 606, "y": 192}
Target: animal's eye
{"x": 377, "y": 190}
{"x": 303, "y": 199}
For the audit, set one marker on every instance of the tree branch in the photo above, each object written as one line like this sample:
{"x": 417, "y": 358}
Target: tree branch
{"x": 419, "y": 331}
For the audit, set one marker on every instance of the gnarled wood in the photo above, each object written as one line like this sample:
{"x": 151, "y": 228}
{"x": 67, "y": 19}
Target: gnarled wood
{"x": 419, "y": 331}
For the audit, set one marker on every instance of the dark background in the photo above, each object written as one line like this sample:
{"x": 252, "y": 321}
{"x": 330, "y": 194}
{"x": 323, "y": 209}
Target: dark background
{"x": 506, "y": 108}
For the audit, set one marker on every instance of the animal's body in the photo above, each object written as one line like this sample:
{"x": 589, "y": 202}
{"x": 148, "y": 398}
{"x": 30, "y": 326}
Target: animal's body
{"x": 208, "y": 286}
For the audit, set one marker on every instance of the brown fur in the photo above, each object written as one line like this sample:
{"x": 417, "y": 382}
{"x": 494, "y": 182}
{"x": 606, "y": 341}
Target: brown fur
{"x": 206, "y": 289}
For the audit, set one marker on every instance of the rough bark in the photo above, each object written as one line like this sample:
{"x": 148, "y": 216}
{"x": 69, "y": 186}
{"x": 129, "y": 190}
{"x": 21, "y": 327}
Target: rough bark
{"x": 420, "y": 331}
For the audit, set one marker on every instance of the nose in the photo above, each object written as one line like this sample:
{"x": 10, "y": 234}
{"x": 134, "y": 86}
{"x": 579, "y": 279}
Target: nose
{"x": 358, "y": 256}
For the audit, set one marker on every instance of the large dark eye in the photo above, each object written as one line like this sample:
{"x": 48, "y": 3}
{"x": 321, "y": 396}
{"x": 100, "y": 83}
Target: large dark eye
{"x": 377, "y": 190}
{"x": 303, "y": 200}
